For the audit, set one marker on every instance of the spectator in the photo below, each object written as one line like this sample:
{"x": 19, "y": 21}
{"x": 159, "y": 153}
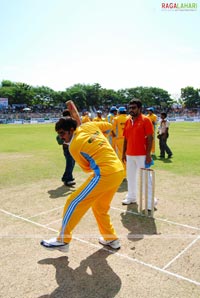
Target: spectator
{"x": 67, "y": 177}
{"x": 85, "y": 117}
{"x": 99, "y": 116}
{"x": 118, "y": 129}
{"x": 163, "y": 134}
{"x": 109, "y": 118}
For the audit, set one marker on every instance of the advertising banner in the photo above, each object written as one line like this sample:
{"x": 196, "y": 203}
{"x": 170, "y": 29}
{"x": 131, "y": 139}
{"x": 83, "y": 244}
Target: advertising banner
{"x": 3, "y": 103}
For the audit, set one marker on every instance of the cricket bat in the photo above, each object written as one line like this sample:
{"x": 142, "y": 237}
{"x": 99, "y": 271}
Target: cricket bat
{"x": 73, "y": 111}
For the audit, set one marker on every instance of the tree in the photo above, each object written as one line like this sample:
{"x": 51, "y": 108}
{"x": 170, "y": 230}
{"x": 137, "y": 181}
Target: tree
{"x": 60, "y": 97}
{"x": 17, "y": 93}
{"x": 7, "y": 83}
{"x": 23, "y": 93}
{"x": 109, "y": 97}
{"x": 93, "y": 94}
{"x": 78, "y": 95}
{"x": 85, "y": 96}
{"x": 190, "y": 97}
{"x": 8, "y": 92}
{"x": 150, "y": 96}
{"x": 43, "y": 96}
{"x": 123, "y": 96}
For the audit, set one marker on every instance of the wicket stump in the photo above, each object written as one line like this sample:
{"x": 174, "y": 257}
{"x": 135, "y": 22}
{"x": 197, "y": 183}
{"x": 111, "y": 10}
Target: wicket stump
{"x": 145, "y": 175}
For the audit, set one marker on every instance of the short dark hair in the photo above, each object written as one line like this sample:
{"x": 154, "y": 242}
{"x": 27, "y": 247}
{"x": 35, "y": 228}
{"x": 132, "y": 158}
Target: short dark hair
{"x": 66, "y": 113}
{"x": 66, "y": 124}
{"x": 136, "y": 101}
{"x": 164, "y": 114}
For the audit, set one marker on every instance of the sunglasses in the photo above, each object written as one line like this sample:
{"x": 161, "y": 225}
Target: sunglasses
{"x": 61, "y": 133}
{"x": 132, "y": 107}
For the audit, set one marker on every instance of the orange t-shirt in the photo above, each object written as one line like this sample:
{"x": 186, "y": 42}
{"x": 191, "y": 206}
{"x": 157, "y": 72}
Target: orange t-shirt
{"x": 135, "y": 133}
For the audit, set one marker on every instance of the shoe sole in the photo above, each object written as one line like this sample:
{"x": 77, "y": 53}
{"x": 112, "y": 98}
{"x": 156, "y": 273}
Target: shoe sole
{"x": 56, "y": 248}
{"x": 128, "y": 203}
{"x": 109, "y": 245}
{"x": 62, "y": 248}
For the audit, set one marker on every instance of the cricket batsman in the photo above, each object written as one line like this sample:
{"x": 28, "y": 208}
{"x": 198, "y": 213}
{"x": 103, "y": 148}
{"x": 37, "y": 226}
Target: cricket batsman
{"x": 92, "y": 151}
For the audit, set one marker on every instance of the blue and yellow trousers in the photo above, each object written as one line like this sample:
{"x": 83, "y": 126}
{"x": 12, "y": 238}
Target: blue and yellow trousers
{"x": 97, "y": 193}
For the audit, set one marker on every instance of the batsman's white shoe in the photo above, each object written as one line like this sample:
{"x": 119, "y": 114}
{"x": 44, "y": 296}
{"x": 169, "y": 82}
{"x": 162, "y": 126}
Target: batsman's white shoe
{"x": 54, "y": 244}
{"x": 115, "y": 244}
{"x": 127, "y": 201}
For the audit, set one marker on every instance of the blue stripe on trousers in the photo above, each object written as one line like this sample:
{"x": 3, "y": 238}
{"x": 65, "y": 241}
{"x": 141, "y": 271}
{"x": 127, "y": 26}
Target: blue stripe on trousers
{"x": 77, "y": 200}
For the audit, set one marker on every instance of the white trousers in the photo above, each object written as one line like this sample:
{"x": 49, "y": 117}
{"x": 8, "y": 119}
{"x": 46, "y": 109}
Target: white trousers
{"x": 133, "y": 165}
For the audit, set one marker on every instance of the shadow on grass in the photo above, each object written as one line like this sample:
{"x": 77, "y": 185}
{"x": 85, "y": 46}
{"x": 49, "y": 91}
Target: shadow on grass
{"x": 93, "y": 278}
{"x": 154, "y": 157}
{"x": 165, "y": 160}
{"x": 61, "y": 191}
{"x": 137, "y": 225}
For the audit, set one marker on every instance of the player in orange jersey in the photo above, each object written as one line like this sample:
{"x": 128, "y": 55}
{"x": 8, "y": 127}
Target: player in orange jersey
{"x": 138, "y": 135}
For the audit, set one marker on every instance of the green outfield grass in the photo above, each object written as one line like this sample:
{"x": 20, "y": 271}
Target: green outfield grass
{"x": 184, "y": 141}
{"x": 31, "y": 153}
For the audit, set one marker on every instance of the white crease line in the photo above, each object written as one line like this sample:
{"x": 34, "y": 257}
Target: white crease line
{"x": 27, "y": 220}
{"x": 44, "y": 212}
{"x": 156, "y": 218}
{"x": 181, "y": 253}
{"x": 52, "y": 222}
{"x": 143, "y": 263}
{"x": 178, "y": 224}
{"x": 92, "y": 236}
{"x": 115, "y": 253}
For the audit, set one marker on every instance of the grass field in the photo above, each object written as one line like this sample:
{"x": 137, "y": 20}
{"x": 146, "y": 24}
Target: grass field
{"x": 184, "y": 142}
{"x": 30, "y": 152}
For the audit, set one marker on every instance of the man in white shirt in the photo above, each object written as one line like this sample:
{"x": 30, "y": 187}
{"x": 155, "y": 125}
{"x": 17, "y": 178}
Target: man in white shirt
{"x": 163, "y": 134}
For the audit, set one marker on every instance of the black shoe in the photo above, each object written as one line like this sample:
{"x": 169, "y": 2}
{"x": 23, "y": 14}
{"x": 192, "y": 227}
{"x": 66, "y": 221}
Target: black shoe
{"x": 161, "y": 156}
{"x": 170, "y": 155}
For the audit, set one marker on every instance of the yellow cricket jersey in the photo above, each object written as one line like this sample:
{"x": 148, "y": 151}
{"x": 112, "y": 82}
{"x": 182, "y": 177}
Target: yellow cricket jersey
{"x": 111, "y": 138}
{"x": 92, "y": 151}
{"x": 110, "y": 118}
{"x": 118, "y": 124}
{"x": 85, "y": 118}
{"x": 98, "y": 119}
{"x": 153, "y": 118}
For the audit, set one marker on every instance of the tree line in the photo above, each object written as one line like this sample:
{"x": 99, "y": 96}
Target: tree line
{"x": 85, "y": 96}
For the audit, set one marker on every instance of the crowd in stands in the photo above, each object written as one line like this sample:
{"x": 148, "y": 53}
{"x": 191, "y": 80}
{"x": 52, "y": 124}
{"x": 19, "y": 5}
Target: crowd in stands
{"x": 48, "y": 113}
{"x": 30, "y": 113}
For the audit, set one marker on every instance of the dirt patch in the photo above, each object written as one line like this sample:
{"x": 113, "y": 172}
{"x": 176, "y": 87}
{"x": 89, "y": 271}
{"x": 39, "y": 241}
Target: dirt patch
{"x": 159, "y": 257}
